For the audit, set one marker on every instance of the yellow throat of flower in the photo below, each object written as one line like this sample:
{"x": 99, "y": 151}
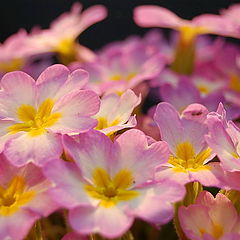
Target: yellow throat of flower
{"x": 35, "y": 121}
{"x": 185, "y": 52}
{"x": 235, "y": 82}
{"x": 186, "y": 159}
{"x": 13, "y": 65}
{"x": 67, "y": 50}
{"x": 128, "y": 77}
{"x": 109, "y": 190}
{"x": 14, "y": 196}
{"x": 217, "y": 231}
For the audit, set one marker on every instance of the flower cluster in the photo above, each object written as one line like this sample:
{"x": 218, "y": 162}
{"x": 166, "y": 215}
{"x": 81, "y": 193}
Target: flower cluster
{"x": 94, "y": 140}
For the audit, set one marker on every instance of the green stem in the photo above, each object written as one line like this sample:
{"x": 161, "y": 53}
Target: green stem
{"x": 36, "y": 232}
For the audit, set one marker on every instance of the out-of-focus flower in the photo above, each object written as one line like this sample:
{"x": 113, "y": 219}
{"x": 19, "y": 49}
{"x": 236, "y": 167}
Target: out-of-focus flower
{"x": 210, "y": 218}
{"x": 63, "y": 32}
{"x": 189, "y": 150}
{"x": 115, "y": 112}
{"x": 17, "y": 52}
{"x": 123, "y": 65}
{"x": 112, "y": 183}
{"x": 225, "y": 65}
{"x": 232, "y": 13}
{"x": 156, "y": 16}
{"x": 24, "y": 199}
{"x": 34, "y": 114}
{"x": 181, "y": 91}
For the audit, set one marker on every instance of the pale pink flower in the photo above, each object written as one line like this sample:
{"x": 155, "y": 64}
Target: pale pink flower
{"x": 109, "y": 184}
{"x": 115, "y": 112}
{"x": 24, "y": 199}
{"x": 17, "y": 52}
{"x": 34, "y": 114}
{"x": 190, "y": 153}
{"x": 232, "y": 14}
{"x": 210, "y": 218}
{"x": 156, "y": 16}
{"x": 63, "y": 32}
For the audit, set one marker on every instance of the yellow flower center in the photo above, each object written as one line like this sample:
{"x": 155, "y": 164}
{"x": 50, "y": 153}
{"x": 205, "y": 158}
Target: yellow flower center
{"x": 14, "y": 196}
{"x": 235, "y": 82}
{"x": 185, "y": 158}
{"x": 204, "y": 89}
{"x": 103, "y": 123}
{"x": 35, "y": 121}
{"x": 217, "y": 231}
{"x": 118, "y": 77}
{"x": 67, "y": 50}
{"x": 111, "y": 190}
{"x": 13, "y": 65}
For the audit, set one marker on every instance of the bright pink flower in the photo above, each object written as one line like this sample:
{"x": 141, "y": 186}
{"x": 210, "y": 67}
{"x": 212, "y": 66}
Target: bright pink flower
{"x": 115, "y": 112}
{"x": 63, "y": 32}
{"x": 24, "y": 199}
{"x": 112, "y": 183}
{"x": 34, "y": 114}
{"x": 156, "y": 16}
{"x": 190, "y": 153}
{"x": 210, "y": 218}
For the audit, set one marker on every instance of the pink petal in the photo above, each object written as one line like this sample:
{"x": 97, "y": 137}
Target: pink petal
{"x": 192, "y": 219}
{"x": 109, "y": 222}
{"x": 147, "y": 205}
{"x": 38, "y": 149}
{"x": 17, "y": 226}
{"x": 50, "y": 82}
{"x": 169, "y": 123}
{"x": 222, "y": 144}
{"x": 139, "y": 157}
{"x": 76, "y": 109}
{"x": 15, "y": 85}
{"x": 69, "y": 188}
{"x": 155, "y": 16}
{"x": 91, "y": 150}
{"x": 91, "y": 16}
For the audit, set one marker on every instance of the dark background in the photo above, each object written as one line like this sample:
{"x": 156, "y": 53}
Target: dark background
{"x": 17, "y": 14}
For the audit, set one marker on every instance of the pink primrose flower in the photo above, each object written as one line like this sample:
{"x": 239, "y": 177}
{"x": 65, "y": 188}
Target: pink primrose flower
{"x": 63, "y": 32}
{"x": 34, "y": 114}
{"x": 190, "y": 153}
{"x": 111, "y": 183}
{"x": 115, "y": 112}
{"x": 24, "y": 199}
{"x": 224, "y": 139}
{"x": 156, "y": 16}
{"x": 210, "y": 218}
